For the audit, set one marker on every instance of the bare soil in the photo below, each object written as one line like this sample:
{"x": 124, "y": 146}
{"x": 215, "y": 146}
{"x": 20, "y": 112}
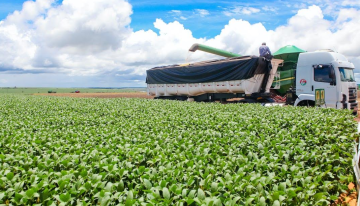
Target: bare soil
{"x": 348, "y": 198}
{"x": 142, "y": 95}
{"x": 357, "y": 118}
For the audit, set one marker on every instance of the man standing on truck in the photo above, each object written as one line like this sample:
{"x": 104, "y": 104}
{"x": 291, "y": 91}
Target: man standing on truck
{"x": 266, "y": 54}
{"x": 264, "y": 51}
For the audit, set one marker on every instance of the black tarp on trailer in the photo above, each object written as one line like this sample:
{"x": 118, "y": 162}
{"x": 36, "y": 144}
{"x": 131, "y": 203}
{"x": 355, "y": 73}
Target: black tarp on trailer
{"x": 236, "y": 68}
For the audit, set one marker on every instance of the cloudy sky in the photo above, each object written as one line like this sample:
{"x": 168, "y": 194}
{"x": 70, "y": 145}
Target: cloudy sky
{"x": 111, "y": 43}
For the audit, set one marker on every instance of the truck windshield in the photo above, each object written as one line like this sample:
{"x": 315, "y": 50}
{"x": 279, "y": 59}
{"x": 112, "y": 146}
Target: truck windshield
{"x": 347, "y": 74}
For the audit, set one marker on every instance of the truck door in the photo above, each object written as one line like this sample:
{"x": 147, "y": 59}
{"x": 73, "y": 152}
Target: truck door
{"x": 324, "y": 78}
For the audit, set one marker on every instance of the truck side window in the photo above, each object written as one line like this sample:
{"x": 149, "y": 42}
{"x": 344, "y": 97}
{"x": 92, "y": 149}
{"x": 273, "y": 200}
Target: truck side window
{"x": 322, "y": 74}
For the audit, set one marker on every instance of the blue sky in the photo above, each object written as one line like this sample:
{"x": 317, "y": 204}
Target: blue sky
{"x": 94, "y": 43}
{"x": 201, "y": 27}
{"x": 145, "y": 12}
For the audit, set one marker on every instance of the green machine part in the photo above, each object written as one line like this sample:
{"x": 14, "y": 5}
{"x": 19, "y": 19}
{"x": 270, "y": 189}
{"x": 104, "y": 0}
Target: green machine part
{"x": 287, "y": 80}
{"x": 290, "y": 55}
{"x": 212, "y": 50}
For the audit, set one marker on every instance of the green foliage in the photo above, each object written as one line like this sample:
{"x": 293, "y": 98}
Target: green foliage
{"x": 63, "y": 151}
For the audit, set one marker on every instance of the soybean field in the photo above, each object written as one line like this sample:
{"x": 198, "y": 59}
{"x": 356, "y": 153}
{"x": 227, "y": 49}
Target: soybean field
{"x": 77, "y": 151}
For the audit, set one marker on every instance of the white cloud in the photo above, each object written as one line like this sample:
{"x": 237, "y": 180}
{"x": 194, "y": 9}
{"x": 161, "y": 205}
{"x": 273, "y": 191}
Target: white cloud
{"x": 17, "y": 48}
{"x": 144, "y": 49}
{"x": 177, "y": 14}
{"x": 298, "y": 5}
{"x": 69, "y": 38}
{"x": 93, "y": 37}
{"x": 331, "y": 8}
{"x": 30, "y": 11}
{"x": 238, "y": 10}
{"x": 356, "y": 62}
{"x": 202, "y": 12}
{"x": 351, "y": 3}
{"x": 270, "y": 8}
{"x": 84, "y": 26}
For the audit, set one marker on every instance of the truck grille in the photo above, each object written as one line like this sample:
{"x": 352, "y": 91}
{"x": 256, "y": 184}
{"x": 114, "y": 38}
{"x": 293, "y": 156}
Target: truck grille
{"x": 352, "y": 97}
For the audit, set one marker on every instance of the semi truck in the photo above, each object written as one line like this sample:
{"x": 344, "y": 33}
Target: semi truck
{"x": 292, "y": 73}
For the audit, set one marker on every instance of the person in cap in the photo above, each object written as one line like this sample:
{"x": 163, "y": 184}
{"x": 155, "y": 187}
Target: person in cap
{"x": 264, "y": 50}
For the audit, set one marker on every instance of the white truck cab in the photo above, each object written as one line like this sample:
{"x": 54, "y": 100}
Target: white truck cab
{"x": 330, "y": 71}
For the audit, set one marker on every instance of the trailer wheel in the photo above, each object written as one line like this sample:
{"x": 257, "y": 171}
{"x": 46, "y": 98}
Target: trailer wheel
{"x": 181, "y": 98}
{"x": 306, "y": 103}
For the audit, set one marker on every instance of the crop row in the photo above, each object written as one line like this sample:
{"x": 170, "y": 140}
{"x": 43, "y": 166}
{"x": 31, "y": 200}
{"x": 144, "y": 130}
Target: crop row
{"x": 63, "y": 151}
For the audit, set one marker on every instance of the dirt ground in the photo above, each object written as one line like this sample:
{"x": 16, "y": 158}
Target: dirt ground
{"x": 100, "y": 95}
{"x": 358, "y": 115}
{"x": 348, "y": 198}
{"x": 357, "y": 118}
